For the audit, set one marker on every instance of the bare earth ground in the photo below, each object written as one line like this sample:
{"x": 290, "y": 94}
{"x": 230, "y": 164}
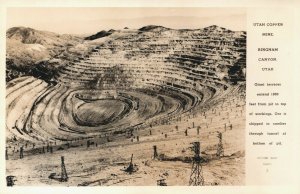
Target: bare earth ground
{"x": 104, "y": 164}
{"x": 170, "y": 82}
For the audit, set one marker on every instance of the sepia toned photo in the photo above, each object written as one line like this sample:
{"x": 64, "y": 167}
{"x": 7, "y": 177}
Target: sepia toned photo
{"x": 125, "y": 96}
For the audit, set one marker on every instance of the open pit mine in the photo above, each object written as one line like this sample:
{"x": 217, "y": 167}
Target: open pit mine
{"x": 148, "y": 106}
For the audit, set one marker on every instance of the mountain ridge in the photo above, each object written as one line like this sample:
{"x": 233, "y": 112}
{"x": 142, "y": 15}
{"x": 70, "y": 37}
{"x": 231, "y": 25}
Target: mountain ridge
{"x": 24, "y": 34}
{"x": 28, "y": 49}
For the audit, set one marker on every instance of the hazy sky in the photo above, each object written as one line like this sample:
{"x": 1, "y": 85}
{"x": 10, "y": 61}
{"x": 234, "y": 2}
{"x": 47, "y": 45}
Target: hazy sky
{"x": 92, "y": 20}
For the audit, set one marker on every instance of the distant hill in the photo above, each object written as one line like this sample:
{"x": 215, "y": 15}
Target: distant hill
{"x": 100, "y": 34}
{"x": 32, "y": 36}
{"x": 26, "y": 48}
{"x": 103, "y": 33}
{"x": 153, "y": 28}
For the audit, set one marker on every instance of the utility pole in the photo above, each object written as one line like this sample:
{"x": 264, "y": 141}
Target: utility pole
{"x": 130, "y": 169}
{"x": 220, "y": 148}
{"x": 196, "y": 177}
{"x": 6, "y": 154}
{"x": 21, "y": 152}
{"x": 155, "y": 155}
{"x": 64, "y": 176}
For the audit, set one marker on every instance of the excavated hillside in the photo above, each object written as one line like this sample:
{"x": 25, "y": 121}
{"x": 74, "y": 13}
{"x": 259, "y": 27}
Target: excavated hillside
{"x": 213, "y": 55}
{"x": 122, "y": 92}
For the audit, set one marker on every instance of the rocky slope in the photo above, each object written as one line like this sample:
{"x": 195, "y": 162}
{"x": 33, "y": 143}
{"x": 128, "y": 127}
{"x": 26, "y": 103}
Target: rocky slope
{"x": 121, "y": 92}
{"x": 38, "y": 53}
{"x": 42, "y": 54}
